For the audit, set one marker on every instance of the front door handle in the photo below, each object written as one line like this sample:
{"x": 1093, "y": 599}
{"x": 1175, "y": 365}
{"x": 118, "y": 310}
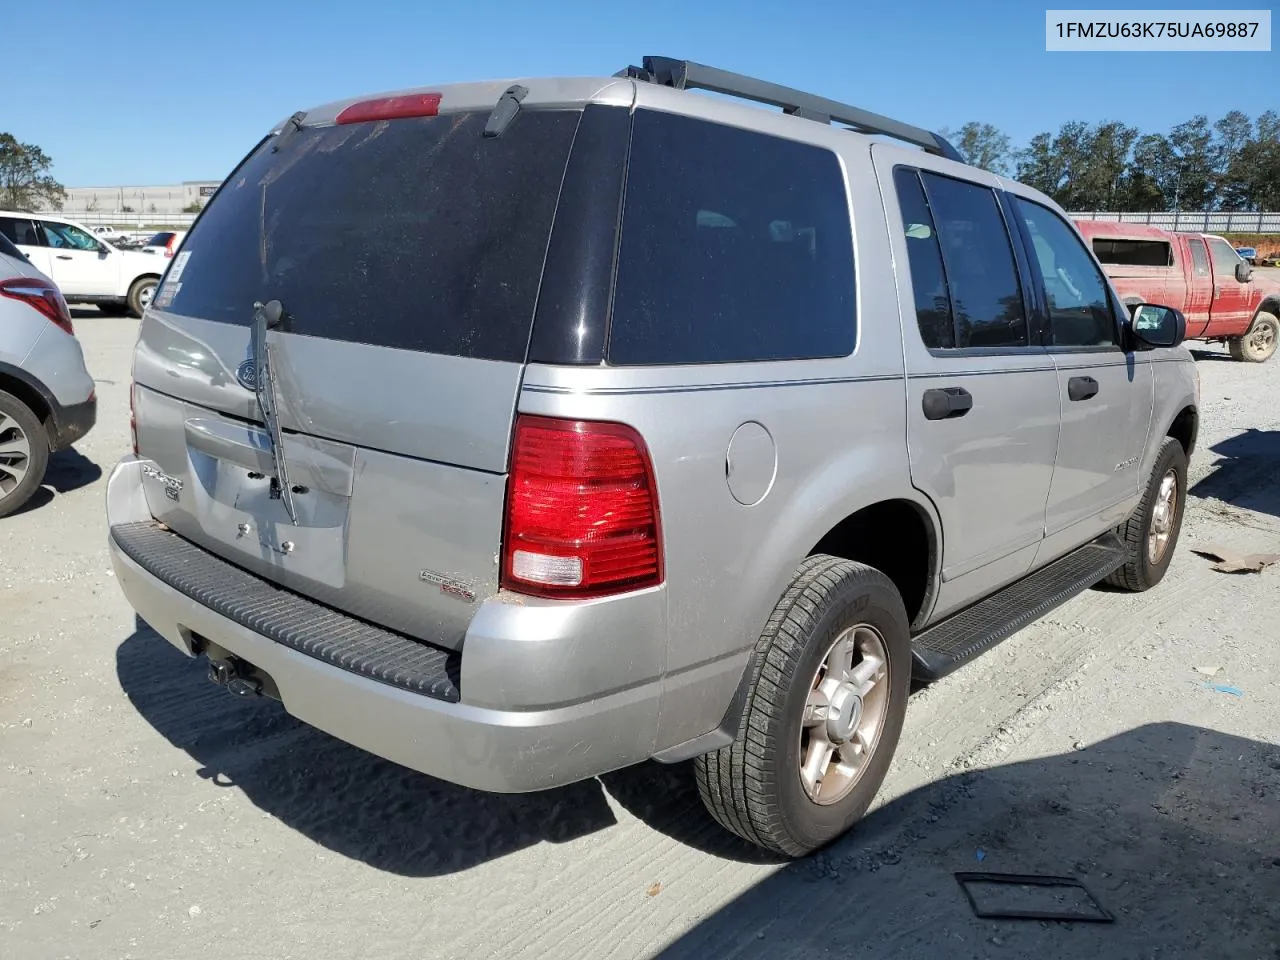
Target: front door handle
{"x": 946, "y": 402}
{"x": 64, "y": 256}
{"x": 1082, "y": 388}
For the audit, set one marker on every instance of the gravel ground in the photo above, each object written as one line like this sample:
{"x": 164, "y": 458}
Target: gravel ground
{"x": 146, "y": 814}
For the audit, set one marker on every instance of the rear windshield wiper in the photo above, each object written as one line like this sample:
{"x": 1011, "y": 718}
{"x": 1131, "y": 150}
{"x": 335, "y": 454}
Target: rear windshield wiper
{"x": 267, "y": 317}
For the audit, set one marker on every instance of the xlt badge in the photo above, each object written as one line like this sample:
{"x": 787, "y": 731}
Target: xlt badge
{"x": 455, "y": 588}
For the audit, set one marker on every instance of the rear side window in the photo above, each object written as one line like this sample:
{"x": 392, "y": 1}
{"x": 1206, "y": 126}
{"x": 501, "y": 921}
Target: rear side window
{"x": 417, "y": 233}
{"x": 982, "y": 274}
{"x": 736, "y": 246}
{"x": 8, "y": 249}
{"x": 20, "y": 231}
{"x": 1199, "y": 259}
{"x": 1134, "y": 253}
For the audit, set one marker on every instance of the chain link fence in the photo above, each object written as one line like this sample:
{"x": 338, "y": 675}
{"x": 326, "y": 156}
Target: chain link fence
{"x": 1201, "y": 221}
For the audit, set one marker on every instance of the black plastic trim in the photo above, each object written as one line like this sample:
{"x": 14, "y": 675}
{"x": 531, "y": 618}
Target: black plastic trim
{"x": 73, "y": 423}
{"x": 572, "y": 314}
{"x": 288, "y": 618}
{"x": 687, "y": 75}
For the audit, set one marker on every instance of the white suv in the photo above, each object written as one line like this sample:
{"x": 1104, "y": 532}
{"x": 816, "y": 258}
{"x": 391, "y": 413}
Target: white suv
{"x": 86, "y": 268}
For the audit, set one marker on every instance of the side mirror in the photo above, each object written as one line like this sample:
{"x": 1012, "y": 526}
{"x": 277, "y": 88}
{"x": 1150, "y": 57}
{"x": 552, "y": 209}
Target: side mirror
{"x": 1154, "y": 326}
{"x": 1243, "y": 272}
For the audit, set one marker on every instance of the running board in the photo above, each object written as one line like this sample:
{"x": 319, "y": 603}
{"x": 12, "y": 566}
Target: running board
{"x": 951, "y": 644}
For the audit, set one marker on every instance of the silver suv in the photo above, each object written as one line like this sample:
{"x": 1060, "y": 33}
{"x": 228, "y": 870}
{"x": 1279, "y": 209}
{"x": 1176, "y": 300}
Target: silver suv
{"x": 521, "y": 433}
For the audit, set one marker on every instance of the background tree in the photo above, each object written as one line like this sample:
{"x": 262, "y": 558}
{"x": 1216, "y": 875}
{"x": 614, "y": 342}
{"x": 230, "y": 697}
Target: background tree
{"x": 1233, "y": 164}
{"x": 25, "y": 183}
{"x": 982, "y": 145}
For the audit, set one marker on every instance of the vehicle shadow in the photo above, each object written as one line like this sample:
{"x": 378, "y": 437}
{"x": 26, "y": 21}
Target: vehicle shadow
{"x": 1174, "y": 829}
{"x": 1201, "y": 355}
{"x": 350, "y": 801}
{"x": 1246, "y": 473}
{"x": 68, "y": 470}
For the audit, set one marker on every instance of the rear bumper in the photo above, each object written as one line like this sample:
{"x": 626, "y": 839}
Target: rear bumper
{"x": 475, "y": 741}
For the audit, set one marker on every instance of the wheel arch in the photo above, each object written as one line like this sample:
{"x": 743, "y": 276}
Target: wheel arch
{"x": 850, "y": 538}
{"x": 33, "y": 393}
{"x": 1185, "y": 428}
{"x": 901, "y": 539}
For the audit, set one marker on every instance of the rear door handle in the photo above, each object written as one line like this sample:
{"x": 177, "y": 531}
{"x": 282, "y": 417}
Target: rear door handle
{"x": 1082, "y": 388}
{"x": 943, "y": 403}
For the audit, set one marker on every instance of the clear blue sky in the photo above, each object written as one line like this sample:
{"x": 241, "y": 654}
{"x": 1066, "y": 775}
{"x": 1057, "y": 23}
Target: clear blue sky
{"x": 137, "y": 93}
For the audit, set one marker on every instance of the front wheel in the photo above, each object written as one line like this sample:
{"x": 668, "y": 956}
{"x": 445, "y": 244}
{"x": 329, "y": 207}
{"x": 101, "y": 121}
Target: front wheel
{"x": 140, "y": 294}
{"x": 24, "y": 453}
{"x": 828, "y": 692}
{"x": 1260, "y": 342}
{"x": 1151, "y": 533}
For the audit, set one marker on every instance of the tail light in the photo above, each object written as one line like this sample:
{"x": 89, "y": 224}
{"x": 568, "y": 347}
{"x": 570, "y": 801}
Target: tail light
{"x": 168, "y": 247}
{"x": 582, "y": 511}
{"x": 42, "y": 295}
{"x": 133, "y": 416}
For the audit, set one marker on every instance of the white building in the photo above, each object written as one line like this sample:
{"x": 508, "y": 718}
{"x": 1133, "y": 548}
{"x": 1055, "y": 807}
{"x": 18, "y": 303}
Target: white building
{"x": 141, "y": 201}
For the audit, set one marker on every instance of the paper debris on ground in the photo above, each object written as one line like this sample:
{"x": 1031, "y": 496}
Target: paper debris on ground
{"x": 1231, "y": 560}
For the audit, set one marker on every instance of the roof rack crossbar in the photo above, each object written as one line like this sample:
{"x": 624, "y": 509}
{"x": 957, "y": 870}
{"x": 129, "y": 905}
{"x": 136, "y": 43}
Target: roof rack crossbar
{"x": 687, "y": 75}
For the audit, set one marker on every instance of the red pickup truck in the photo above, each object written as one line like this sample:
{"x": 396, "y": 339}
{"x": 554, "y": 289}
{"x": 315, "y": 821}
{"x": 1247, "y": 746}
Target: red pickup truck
{"x": 1199, "y": 274}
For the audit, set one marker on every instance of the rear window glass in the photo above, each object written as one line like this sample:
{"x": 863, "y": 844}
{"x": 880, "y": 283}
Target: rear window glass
{"x": 418, "y": 233}
{"x": 736, "y": 246}
{"x": 1134, "y": 253}
{"x": 159, "y": 240}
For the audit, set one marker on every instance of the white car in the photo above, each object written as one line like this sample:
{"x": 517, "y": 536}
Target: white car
{"x": 86, "y": 268}
{"x": 165, "y": 243}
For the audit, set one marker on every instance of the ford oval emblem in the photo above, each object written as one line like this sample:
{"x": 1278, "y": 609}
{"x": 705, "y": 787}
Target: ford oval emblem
{"x": 247, "y": 374}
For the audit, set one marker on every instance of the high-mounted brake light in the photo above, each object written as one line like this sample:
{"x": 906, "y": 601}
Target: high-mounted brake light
{"x": 391, "y": 108}
{"x": 582, "y": 511}
{"x": 42, "y": 295}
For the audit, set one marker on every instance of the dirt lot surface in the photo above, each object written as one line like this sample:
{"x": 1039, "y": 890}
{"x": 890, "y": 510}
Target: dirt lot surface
{"x": 145, "y": 813}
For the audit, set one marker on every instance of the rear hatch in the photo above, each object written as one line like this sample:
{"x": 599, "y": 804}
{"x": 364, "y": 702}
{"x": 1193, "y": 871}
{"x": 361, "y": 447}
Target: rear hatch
{"x": 406, "y": 255}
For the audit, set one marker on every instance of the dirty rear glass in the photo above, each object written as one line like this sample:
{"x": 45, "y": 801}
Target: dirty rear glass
{"x": 417, "y": 234}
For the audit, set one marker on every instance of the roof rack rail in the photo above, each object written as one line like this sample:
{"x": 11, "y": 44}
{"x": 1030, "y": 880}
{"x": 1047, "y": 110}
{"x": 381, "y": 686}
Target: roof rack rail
{"x": 687, "y": 75}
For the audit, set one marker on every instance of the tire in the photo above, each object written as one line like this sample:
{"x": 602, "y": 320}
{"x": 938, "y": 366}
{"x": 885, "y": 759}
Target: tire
{"x": 140, "y": 294}
{"x": 754, "y": 786}
{"x": 1142, "y": 570}
{"x": 1259, "y": 343}
{"x": 24, "y": 453}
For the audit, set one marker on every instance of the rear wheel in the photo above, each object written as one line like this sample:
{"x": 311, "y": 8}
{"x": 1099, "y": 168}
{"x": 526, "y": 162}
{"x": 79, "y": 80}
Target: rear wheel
{"x": 140, "y": 294}
{"x": 24, "y": 453}
{"x": 828, "y": 693}
{"x": 1260, "y": 342}
{"x": 1151, "y": 533}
